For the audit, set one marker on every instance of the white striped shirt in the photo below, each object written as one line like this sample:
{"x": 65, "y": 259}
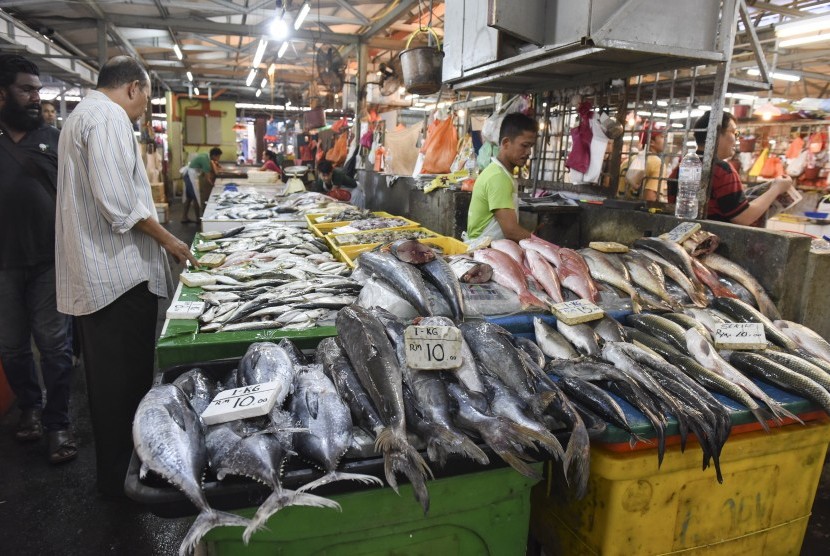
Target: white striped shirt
{"x": 103, "y": 191}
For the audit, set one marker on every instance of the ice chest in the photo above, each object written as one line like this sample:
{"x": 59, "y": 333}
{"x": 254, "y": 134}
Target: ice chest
{"x": 476, "y": 513}
{"x": 632, "y": 508}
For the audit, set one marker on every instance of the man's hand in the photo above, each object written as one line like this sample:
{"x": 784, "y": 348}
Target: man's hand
{"x": 781, "y": 185}
{"x": 179, "y": 250}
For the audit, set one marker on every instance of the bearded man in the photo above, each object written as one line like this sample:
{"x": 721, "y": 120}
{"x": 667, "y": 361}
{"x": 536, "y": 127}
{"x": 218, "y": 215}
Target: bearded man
{"x": 28, "y": 308}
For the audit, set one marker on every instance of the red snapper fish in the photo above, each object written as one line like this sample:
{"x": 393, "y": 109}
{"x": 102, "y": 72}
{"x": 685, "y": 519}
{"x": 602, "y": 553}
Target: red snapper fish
{"x": 544, "y": 273}
{"x": 509, "y": 274}
{"x": 547, "y": 249}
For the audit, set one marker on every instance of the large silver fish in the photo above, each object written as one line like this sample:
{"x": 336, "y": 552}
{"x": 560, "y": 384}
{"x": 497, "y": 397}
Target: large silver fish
{"x": 552, "y": 342}
{"x": 198, "y": 387}
{"x": 806, "y": 338}
{"x": 169, "y": 441}
{"x": 404, "y": 277}
{"x": 363, "y": 338}
{"x": 327, "y": 425}
{"x": 267, "y": 362}
{"x": 439, "y": 272}
{"x": 747, "y": 280}
{"x": 603, "y": 269}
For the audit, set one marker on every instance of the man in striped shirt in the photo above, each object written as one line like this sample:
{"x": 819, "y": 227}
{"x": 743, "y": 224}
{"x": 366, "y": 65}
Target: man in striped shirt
{"x": 110, "y": 257}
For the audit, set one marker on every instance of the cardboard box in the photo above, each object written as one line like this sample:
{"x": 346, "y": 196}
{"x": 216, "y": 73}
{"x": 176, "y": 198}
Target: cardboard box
{"x": 159, "y": 196}
{"x": 163, "y": 212}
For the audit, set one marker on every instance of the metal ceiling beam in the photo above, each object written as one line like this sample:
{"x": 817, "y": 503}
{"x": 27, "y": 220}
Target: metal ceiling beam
{"x": 753, "y": 42}
{"x": 385, "y": 21}
{"x": 214, "y": 28}
{"x": 776, "y": 9}
{"x": 354, "y": 11}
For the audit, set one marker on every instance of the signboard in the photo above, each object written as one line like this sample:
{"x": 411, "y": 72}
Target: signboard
{"x": 241, "y": 403}
{"x": 433, "y": 347}
{"x": 740, "y": 335}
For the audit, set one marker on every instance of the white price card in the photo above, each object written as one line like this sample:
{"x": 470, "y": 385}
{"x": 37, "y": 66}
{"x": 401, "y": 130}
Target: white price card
{"x": 740, "y": 335}
{"x": 682, "y": 232}
{"x": 204, "y": 246}
{"x": 196, "y": 279}
{"x": 577, "y": 311}
{"x": 185, "y": 309}
{"x": 241, "y": 403}
{"x": 433, "y": 347}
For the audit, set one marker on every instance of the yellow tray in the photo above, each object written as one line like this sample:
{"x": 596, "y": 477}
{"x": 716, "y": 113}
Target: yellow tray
{"x": 326, "y": 227}
{"x": 448, "y": 246}
{"x": 313, "y": 220}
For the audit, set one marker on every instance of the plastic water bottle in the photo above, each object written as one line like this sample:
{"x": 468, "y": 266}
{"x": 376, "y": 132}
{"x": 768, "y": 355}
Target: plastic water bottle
{"x": 688, "y": 185}
{"x": 471, "y": 167}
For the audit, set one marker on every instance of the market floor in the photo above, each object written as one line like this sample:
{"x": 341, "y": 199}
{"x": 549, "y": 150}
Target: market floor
{"x": 47, "y": 510}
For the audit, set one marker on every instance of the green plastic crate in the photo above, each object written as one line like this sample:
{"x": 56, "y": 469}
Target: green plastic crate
{"x": 480, "y": 513}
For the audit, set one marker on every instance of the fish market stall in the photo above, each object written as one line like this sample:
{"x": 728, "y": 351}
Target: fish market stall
{"x": 231, "y": 205}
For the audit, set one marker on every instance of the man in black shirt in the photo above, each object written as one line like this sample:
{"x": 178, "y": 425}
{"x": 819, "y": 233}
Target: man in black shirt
{"x": 28, "y": 158}
{"x": 331, "y": 178}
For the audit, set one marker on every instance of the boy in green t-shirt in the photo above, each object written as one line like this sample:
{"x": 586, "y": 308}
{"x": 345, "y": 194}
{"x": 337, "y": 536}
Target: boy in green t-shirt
{"x": 494, "y": 206}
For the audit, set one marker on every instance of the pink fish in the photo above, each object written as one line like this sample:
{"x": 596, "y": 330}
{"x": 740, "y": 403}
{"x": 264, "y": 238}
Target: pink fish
{"x": 545, "y": 275}
{"x": 545, "y": 248}
{"x": 509, "y": 274}
{"x": 574, "y": 274}
{"x": 710, "y": 278}
{"x": 511, "y": 248}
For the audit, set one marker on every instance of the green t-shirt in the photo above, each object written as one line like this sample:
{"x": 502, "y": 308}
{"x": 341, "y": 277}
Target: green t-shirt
{"x": 493, "y": 190}
{"x": 201, "y": 162}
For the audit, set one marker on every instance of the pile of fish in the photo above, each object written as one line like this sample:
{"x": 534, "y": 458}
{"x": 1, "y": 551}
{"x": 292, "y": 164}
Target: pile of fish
{"x": 235, "y": 205}
{"x": 274, "y": 277}
{"x": 348, "y": 215}
{"x": 380, "y": 236}
{"x": 376, "y": 224}
{"x": 656, "y": 274}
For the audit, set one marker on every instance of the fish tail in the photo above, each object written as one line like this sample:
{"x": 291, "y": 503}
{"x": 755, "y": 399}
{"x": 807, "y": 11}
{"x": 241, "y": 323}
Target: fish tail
{"x": 781, "y": 412}
{"x": 761, "y": 416}
{"x": 579, "y": 463}
{"x": 661, "y": 444}
{"x": 546, "y": 440}
{"x": 636, "y": 303}
{"x": 410, "y": 463}
{"x": 515, "y": 461}
{"x": 280, "y": 499}
{"x": 205, "y": 521}
{"x": 529, "y": 300}
{"x": 335, "y": 476}
{"x": 447, "y": 441}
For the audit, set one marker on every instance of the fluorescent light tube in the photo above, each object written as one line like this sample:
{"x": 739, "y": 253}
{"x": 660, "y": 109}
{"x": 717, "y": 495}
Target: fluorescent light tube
{"x": 178, "y": 51}
{"x": 260, "y": 51}
{"x": 301, "y": 16}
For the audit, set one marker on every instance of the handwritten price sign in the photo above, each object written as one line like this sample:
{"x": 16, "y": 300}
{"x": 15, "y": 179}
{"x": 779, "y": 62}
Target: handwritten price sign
{"x": 740, "y": 335}
{"x": 433, "y": 347}
{"x": 682, "y": 232}
{"x": 577, "y": 311}
{"x": 241, "y": 403}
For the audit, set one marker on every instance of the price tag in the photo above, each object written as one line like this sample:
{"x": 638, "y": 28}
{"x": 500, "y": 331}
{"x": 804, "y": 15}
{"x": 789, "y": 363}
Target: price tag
{"x": 740, "y": 335}
{"x": 210, "y": 235}
{"x": 185, "y": 309}
{"x": 204, "y": 246}
{"x": 682, "y": 232}
{"x": 577, "y": 311}
{"x": 196, "y": 279}
{"x": 608, "y": 246}
{"x": 242, "y": 403}
{"x": 433, "y": 347}
{"x": 211, "y": 260}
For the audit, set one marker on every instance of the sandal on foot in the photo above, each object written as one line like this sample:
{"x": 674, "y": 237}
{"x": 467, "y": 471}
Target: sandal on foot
{"x": 62, "y": 446}
{"x": 29, "y": 427}
{"x": 187, "y": 221}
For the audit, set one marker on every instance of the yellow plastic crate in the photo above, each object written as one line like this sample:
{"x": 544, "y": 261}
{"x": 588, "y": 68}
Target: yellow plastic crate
{"x": 324, "y": 228}
{"x": 448, "y": 246}
{"x": 632, "y": 508}
{"x": 313, "y": 220}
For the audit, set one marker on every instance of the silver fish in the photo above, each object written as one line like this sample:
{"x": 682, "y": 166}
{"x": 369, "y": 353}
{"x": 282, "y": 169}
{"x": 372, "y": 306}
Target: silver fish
{"x": 169, "y": 441}
{"x": 747, "y": 280}
{"x": 553, "y": 343}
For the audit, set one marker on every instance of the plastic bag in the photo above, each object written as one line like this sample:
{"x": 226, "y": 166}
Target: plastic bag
{"x": 492, "y": 125}
{"x": 796, "y": 165}
{"x": 773, "y": 168}
{"x": 439, "y": 147}
{"x": 465, "y": 153}
{"x": 579, "y": 158}
{"x": 340, "y": 194}
{"x": 401, "y": 145}
{"x": 337, "y": 154}
{"x": 755, "y": 171}
{"x": 636, "y": 171}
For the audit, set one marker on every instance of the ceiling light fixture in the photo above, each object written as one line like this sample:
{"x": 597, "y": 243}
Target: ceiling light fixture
{"x": 196, "y": 91}
{"x": 301, "y": 16}
{"x": 258, "y": 92}
{"x": 189, "y": 76}
{"x": 260, "y": 52}
{"x": 263, "y": 83}
{"x": 279, "y": 28}
{"x": 802, "y": 26}
{"x": 776, "y": 75}
{"x": 821, "y": 37}
{"x": 282, "y": 50}
{"x": 767, "y": 111}
{"x": 250, "y": 77}
{"x": 178, "y": 51}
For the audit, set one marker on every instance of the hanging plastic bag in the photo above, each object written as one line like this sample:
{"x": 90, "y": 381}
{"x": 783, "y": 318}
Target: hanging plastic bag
{"x": 492, "y": 125}
{"x": 599, "y": 144}
{"x": 465, "y": 152}
{"x": 439, "y": 147}
{"x": 401, "y": 146}
{"x": 636, "y": 171}
{"x": 579, "y": 158}
{"x": 337, "y": 154}
{"x": 366, "y": 138}
{"x": 796, "y": 165}
{"x": 795, "y": 148}
{"x": 755, "y": 171}
{"x": 773, "y": 168}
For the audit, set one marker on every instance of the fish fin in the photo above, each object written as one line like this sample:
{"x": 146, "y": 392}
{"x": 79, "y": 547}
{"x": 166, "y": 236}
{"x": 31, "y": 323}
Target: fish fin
{"x": 280, "y": 499}
{"x": 636, "y": 303}
{"x": 516, "y": 462}
{"x": 447, "y": 441}
{"x": 335, "y": 476}
{"x": 782, "y": 413}
{"x": 545, "y": 439}
{"x": 579, "y": 458}
{"x": 529, "y": 300}
{"x": 761, "y": 415}
{"x": 142, "y": 472}
{"x": 205, "y": 521}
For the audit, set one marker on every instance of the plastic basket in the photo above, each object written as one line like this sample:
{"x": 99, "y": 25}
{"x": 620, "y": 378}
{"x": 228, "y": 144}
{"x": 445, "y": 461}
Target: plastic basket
{"x": 448, "y": 246}
{"x": 324, "y": 228}
{"x": 314, "y": 220}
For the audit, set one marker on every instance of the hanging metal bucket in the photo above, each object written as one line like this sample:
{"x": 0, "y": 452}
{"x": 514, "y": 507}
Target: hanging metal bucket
{"x": 421, "y": 66}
